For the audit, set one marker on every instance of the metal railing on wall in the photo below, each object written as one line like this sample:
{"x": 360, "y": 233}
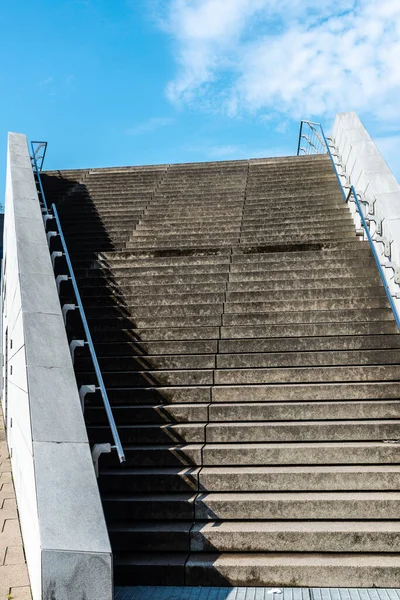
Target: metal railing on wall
{"x": 50, "y": 215}
{"x": 312, "y": 140}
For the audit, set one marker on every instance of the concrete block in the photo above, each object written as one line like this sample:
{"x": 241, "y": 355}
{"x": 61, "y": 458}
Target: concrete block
{"x": 39, "y": 297}
{"x": 29, "y": 229}
{"x": 83, "y": 576}
{"x": 48, "y": 398}
{"x": 43, "y": 334}
{"x": 34, "y": 258}
{"x": 29, "y": 208}
{"x": 70, "y": 511}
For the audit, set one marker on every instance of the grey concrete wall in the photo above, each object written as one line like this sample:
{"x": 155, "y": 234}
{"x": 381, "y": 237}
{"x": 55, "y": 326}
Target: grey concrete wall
{"x": 63, "y": 527}
{"x": 365, "y": 168}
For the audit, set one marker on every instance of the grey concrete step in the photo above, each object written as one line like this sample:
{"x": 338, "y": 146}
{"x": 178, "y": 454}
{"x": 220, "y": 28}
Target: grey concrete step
{"x": 280, "y": 569}
{"x": 300, "y": 344}
{"x": 177, "y": 507}
{"x": 265, "y": 280}
{"x": 168, "y": 455}
{"x": 295, "y": 291}
{"x": 156, "y": 378}
{"x": 216, "y": 258}
{"x": 287, "y": 506}
{"x": 183, "y": 433}
{"x": 144, "y": 480}
{"x": 141, "y": 568}
{"x": 305, "y": 358}
{"x": 154, "y": 310}
{"x": 197, "y": 233}
{"x": 293, "y": 536}
{"x": 296, "y": 479}
{"x": 298, "y": 453}
{"x": 153, "y": 395}
{"x": 144, "y": 348}
{"x": 118, "y": 270}
{"x": 151, "y": 537}
{"x": 297, "y": 411}
{"x": 324, "y": 315}
{"x": 138, "y": 299}
{"x": 116, "y": 333}
{"x": 308, "y": 431}
{"x": 293, "y": 392}
{"x": 196, "y": 244}
{"x": 337, "y": 253}
{"x": 149, "y": 281}
{"x": 161, "y": 414}
{"x": 307, "y": 374}
{"x": 112, "y": 322}
{"x": 131, "y": 289}
{"x": 293, "y": 330}
{"x": 194, "y": 361}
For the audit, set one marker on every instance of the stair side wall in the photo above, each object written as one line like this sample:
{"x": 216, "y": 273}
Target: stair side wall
{"x": 370, "y": 175}
{"x": 62, "y": 521}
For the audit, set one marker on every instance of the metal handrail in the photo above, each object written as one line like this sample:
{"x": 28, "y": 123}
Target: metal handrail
{"x": 37, "y": 171}
{"x": 352, "y": 192}
{"x": 101, "y": 386}
{"x": 35, "y": 153}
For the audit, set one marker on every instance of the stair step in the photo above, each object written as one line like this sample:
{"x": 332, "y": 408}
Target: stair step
{"x": 292, "y": 392}
{"x": 303, "y": 411}
{"x": 293, "y": 570}
{"x": 150, "y": 537}
{"x": 168, "y": 455}
{"x": 167, "y": 479}
{"x": 182, "y": 433}
{"x": 298, "y": 478}
{"x": 291, "y": 536}
{"x": 161, "y": 414}
{"x": 298, "y": 453}
{"x": 301, "y": 344}
{"x": 289, "y": 506}
{"x": 306, "y": 431}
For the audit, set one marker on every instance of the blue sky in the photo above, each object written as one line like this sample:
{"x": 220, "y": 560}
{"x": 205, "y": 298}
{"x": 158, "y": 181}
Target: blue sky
{"x": 153, "y": 81}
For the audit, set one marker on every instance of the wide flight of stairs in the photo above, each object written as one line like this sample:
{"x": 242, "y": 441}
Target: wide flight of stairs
{"x": 252, "y": 362}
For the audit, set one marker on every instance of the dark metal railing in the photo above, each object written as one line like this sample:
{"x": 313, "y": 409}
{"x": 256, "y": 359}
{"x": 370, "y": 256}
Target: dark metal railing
{"x": 51, "y": 214}
{"x": 318, "y": 143}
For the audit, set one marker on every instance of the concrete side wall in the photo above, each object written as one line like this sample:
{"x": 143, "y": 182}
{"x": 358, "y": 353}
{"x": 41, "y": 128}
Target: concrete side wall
{"x": 65, "y": 536}
{"x": 368, "y": 172}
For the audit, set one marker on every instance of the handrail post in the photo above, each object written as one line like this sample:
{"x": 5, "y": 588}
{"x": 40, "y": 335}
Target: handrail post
{"x": 299, "y": 143}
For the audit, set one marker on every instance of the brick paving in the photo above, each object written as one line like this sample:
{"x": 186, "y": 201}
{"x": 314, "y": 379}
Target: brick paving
{"x": 14, "y": 579}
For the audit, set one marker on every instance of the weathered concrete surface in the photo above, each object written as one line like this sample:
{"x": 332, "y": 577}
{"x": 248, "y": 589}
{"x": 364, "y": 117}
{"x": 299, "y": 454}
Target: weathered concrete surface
{"x": 14, "y": 578}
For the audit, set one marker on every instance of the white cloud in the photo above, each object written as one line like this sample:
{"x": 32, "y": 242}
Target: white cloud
{"x": 299, "y": 58}
{"x": 149, "y": 126}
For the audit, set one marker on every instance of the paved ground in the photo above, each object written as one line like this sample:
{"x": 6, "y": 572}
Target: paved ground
{"x": 208, "y": 593}
{"x": 14, "y": 580}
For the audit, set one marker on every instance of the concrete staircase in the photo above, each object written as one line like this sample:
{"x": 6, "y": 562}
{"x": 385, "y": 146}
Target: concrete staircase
{"x": 252, "y": 362}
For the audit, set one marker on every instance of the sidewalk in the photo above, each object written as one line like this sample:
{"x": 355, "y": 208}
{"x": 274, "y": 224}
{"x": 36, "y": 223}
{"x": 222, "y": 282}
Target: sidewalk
{"x": 14, "y": 580}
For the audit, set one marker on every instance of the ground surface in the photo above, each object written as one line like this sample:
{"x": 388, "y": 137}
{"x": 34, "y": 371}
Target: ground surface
{"x": 14, "y": 579}
{"x": 249, "y": 593}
